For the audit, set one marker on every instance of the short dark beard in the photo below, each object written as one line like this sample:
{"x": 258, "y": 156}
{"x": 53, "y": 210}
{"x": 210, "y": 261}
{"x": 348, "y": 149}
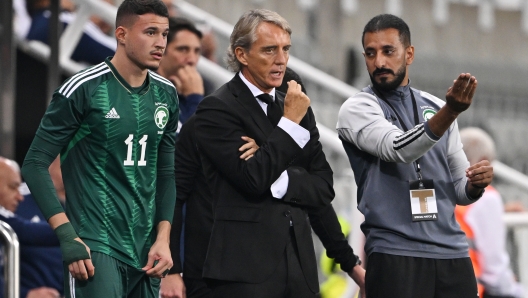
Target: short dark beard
{"x": 388, "y": 86}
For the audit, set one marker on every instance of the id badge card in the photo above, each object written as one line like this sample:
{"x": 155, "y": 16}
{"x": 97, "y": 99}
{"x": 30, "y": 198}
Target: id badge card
{"x": 423, "y": 200}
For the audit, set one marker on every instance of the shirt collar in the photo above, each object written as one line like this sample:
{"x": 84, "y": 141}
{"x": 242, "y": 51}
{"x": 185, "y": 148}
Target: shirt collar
{"x": 254, "y": 89}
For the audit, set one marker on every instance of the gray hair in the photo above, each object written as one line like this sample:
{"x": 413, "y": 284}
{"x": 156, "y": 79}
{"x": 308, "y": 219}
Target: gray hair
{"x": 478, "y": 145}
{"x": 244, "y": 33}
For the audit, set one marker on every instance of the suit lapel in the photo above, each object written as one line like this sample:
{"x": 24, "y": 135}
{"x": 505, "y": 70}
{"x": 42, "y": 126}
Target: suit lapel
{"x": 246, "y": 99}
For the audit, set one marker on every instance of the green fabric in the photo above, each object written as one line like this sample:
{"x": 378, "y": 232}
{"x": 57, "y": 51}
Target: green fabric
{"x": 72, "y": 250}
{"x": 112, "y": 278}
{"x": 117, "y": 159}
{"x": 35, "y": 172}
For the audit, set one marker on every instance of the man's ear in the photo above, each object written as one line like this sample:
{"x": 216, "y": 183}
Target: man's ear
{"x": 240, "y": 54}
{"x": 120, "y": 34}
{"x": 409, "y": 55}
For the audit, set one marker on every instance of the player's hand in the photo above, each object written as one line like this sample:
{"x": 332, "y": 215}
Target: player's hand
{"x": 43, "y": 292}
{"x": 460, "y": 95}
{"x": 172, "y": 286}
{"x": 82, "y": 269}
{"x": 296, "y": 103}
{"x": 189, "y": 81}
{"x": 248, "y": 148}
{"x": 159, "y": 260}
{"x": 479, "y": 175}
{"x": 358, "y": 275}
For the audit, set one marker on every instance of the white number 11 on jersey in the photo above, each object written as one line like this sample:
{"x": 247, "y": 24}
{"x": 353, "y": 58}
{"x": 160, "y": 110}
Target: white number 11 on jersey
{"x": 130, "y": 145}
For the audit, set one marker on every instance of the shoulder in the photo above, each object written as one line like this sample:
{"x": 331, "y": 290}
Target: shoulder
{"x": 429, "y": 97}
{"x": 361, "y": 104}
{"x": 162, "y": 82}
{"x": 84, "y": 79}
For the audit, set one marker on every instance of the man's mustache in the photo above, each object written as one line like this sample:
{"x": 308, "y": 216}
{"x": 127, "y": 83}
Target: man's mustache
{"x": 382, "y": 70}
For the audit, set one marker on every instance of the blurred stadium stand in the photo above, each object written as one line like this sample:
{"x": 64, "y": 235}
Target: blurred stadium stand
{"x": 486, "y": 38}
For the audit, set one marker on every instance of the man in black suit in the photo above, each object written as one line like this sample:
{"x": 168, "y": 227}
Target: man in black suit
{"x": 261, "y": 243}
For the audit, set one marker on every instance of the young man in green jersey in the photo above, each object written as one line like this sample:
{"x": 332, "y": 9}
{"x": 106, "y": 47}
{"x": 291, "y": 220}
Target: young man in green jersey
{"x": 114, "y": 126}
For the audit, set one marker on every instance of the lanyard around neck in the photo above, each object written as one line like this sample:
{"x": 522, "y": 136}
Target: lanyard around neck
{"x": 415, "y": 108}
{"x": 405, "y": 128}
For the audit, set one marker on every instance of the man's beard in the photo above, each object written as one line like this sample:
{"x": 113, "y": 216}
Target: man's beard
{"x": 384, "y": 85}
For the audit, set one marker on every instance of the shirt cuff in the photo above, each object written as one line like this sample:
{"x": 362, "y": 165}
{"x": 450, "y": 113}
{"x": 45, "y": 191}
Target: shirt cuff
{"x": 429, "y": 133}
{"x": 299, "y": 134}
{"x": 280, "y": 186}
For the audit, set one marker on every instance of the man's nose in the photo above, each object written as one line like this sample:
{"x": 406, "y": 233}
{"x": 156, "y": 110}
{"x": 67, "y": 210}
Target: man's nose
{"x": 282, "y": 57}
{"x": 379, "y": 61}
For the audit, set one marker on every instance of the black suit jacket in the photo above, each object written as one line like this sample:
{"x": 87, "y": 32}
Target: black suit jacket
{"x": 251, "y": 228}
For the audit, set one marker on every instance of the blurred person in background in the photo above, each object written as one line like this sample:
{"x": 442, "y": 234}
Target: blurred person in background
{"x": 404, "y": 148}
{"x": 95, "y": 43}
{"x": 184, "y": 47}
{"x": 38, "y": 278}
{"x": 41, "y": 265}
{"x": 484, "y": 226}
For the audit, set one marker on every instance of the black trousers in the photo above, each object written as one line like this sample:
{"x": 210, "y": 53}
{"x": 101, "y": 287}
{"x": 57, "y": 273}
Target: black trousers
{"x": 409, "y": 277}
{"x": 197, "y": 288}
{"x": 286, "y": 282}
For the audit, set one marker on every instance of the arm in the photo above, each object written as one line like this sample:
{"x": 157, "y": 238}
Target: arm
{"x": 311, "y": 186}
{"x": 159, "y": 257}
{"x": 58, "y": 126}
{"x": 218, "y": 135}
{"x": 361, "y": 121}
{"x": 326, "y": 225}
{"x": 29, "y": 233}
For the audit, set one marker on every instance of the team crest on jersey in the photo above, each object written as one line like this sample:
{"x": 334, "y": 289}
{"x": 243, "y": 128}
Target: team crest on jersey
{"x": 428, "y": 114}
{"x": 161, "y": 116}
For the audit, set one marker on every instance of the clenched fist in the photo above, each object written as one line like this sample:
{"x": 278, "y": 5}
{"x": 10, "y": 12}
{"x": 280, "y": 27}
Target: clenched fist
{"x": 296, "y": 102}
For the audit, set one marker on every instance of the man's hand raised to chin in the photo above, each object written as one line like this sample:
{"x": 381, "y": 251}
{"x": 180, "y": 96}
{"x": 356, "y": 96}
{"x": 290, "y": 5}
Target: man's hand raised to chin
{"x": 188, "y": 81}
{"x": 296, "y": 103}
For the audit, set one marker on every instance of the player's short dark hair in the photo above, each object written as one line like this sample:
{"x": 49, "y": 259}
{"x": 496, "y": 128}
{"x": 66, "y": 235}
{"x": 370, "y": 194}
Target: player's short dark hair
{"x": 388, "y": 21}
{"x": 177, "y": 24}
{"x": 289, "y": 75}
{"x": 129, "y": 9}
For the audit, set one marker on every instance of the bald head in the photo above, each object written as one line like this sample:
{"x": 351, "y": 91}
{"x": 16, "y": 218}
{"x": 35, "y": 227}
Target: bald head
{"x": 478, "y": 145}
{"x": 10, "y": 181}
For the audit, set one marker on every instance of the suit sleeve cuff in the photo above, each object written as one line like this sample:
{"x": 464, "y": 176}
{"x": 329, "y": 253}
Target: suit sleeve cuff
{"x": 280, "y": 186}
{"x": 299, "y": 134}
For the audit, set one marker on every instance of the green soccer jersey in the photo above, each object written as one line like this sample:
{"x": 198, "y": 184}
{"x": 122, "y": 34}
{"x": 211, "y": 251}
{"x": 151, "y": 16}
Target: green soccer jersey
{"x": 116, "y": 140}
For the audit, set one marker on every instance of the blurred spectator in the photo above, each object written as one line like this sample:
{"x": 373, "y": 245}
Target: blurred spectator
{"x": 41, "y": 265}
{"x": 484, "y": 227}
{"x": 173, "y": 12}
{"x": 94, "y": 45}
{"x": 184, "y": 47}
{"x": 30, "y": 234}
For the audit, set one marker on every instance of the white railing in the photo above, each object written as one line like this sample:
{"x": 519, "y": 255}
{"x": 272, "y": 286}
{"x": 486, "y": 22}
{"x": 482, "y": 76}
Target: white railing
{"x": 486, "y": 11}
{"x": 11, "y": 261}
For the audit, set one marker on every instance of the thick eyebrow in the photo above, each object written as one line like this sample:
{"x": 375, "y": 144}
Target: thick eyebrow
{"x": 385, "y": 47}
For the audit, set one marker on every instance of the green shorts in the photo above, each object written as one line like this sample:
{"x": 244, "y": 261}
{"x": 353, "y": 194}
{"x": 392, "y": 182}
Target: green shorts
{"x": 112, "y": 278}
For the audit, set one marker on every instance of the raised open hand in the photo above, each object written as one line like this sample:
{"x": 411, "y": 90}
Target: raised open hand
{"x": 460, "y": 95}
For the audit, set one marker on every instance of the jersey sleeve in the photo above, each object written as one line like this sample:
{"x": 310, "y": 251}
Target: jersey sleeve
{"x": 361, "y": 121}
{"x": 60, "y": 122}
{"x": 165, "y": 182}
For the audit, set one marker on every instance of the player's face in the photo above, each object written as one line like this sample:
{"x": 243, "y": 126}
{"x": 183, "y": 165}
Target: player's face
{"x": 265, "y": 62}
{"x": 184, "y": 49}
{"x": 10, "y": 181}
{"x": 387, "y": 59}
{"x": 146, "y": 40}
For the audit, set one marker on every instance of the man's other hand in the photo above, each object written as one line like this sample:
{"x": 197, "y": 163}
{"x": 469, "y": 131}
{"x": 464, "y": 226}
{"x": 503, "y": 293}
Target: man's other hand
{"x": 172, "y": 287}
{"x": 43, "y": 292}
{"x": 358, "y": 275}
{"x": 460, "y": 95}
{"x": 188, "y": 81}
